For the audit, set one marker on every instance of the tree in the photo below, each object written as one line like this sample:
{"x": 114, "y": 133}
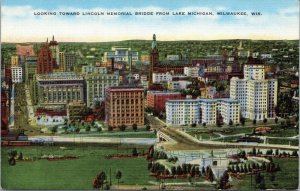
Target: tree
{"x": 253, "y": 131}
{"x": 277, "y": 152}
{"x": 88, "y": 128}
{"x": 276, "y": 120}
{"x": 77, "y": 129}
{"x": 203, "y": 171}
{"x": 12, "y": 155}
{"x": 118, "y": 176}
{"x": 265, "y": 120}
{"x": 210, "y": 175}
{"x": 254, "y": 122}
{"x": 230, "y": 122}
{"x": 54, "y": 129}
{"x": 122, "y": 127}
{"x": 20, "y": 157}
{"x": 288, "y": 122}
{"x": 193, "y": 125}
{"x": 243, "y": 120}
{"x": 258, "y": 178}
{"x": 99, "y": 180}
{"x": 204, "y": 124}
{"x": 148, "y": 127}
{"x": 179, "y": 170}
{"x": 272, "y": 177}
{"x": 134, "y": 152}
{"x": 254, "y": 151}
{"x": 278, "y": 167}
{"x": 110, "y": 128}
{"x": 134, "y": 127}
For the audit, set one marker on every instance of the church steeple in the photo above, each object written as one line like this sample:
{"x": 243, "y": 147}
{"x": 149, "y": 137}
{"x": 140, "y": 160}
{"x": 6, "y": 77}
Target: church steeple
{"x": 154, "y": 44}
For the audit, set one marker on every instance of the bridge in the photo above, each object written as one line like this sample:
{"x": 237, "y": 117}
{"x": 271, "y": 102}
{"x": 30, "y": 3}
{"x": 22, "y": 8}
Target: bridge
{"x": 180, "y": 137}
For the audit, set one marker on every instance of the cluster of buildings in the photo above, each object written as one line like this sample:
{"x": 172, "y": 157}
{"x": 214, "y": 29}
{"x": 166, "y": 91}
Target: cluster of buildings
{"x": 54, "y": 83}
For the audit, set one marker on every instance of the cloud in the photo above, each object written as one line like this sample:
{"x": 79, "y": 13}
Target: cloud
{"x": 19, "y": 24}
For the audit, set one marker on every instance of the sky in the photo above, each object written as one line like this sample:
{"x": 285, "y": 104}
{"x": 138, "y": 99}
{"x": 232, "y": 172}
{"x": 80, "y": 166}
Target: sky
{"x": 279, "y": 20}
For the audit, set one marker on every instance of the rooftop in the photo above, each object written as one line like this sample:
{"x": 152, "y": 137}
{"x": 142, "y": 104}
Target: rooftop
{"x": 205, "y": 100}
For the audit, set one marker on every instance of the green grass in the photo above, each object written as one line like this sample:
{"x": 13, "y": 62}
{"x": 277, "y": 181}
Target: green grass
{"x": 287, "y": 178}
{"x": 122, "y": 134}
{"x": 284, "y": 142}
{"x": 283, "y": 132}
{"x": 71, "y": 174}
{"x": 131, "y": 135}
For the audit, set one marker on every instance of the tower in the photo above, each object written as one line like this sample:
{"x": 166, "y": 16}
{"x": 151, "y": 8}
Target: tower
{"x": 45, "y": 63}
{"x": 154, "y": 57}
{"x": 55, "y": 52}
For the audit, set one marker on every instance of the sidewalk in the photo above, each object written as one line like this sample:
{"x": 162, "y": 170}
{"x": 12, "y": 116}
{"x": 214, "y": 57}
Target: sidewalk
{"x": 31, "y": 117}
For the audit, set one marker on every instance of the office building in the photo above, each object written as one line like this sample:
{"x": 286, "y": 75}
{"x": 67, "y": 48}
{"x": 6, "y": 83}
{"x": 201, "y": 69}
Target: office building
{"x": 75, "y": 110}
{"x": 157, "y": 99}
{"x": 15, "y": 60}
{"x": 17, "y": 74}
{"x": 67, "y": 61}
{"x": 124, "y": 106}
{"x": 97, "y": 79}
{"x": 30, "y": 68}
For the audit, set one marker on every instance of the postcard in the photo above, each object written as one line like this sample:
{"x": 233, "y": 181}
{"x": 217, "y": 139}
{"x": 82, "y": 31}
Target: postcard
{"x": 149, "y": 95}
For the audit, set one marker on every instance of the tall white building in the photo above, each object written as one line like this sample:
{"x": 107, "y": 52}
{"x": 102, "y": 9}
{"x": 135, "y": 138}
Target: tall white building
{"x": 257, "y": 95}
{"x": 161, "y": 77}
{"x": 17, "y": 74}
{"x": 199, "y": 111}
{"x": 178, "y": 85}
{"x": 191, "y": 71}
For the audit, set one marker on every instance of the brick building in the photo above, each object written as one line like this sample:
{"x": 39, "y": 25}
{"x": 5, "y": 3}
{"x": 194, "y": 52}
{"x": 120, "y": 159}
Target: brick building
{"x": 157, "y": 99}
{"x": 124, "y": 106}
{"x": 45, "y": 62}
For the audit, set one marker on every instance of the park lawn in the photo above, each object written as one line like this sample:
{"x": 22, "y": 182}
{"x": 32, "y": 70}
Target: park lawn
{"x": 131, "y": 135}
{"x": 203, "y": 135}
{"x": 71, "y": 174}
{"x": 289, "y": 132}
{"x": 284, "y": 142}
{"x": 117, "y": 134}
{"x": 287, "y": 178}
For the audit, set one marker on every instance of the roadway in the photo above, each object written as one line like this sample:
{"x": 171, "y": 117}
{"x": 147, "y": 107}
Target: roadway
{"x": 189, "y": 142}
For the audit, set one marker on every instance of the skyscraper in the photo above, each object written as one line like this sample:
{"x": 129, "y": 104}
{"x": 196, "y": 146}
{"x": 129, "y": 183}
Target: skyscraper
{"x": 53, "y": 45}
{"x": 154, "y": 57}
{"x": 257, "y": 95}
{"x": 45, "y": 62}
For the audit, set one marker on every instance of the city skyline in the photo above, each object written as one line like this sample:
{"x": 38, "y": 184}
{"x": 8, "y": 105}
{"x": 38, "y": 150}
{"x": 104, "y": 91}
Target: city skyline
{"x": 278, "y": 21}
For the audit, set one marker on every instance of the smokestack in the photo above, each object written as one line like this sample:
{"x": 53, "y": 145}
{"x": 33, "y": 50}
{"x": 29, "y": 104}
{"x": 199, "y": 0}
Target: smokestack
{"x": 112, "y": 64}
{"x": 130, "y": 67}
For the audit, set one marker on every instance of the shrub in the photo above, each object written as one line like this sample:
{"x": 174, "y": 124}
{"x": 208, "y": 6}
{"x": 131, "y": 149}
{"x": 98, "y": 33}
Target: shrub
{"x": 134, "y": 127}
{"x": 122, "y": 127}
{"x": 148, "y": 127}
{"x": 110, "y": 128}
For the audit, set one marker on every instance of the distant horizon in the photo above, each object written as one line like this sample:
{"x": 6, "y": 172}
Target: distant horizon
{"x": 25, "y": 21}
{"x": 59, "y": 41}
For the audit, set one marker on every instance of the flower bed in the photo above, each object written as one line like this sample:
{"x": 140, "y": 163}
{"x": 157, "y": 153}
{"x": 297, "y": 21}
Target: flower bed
{"x": 123, "y": 156}
{"x": 24, "y": 160}
{"x": 61, "y": 158}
